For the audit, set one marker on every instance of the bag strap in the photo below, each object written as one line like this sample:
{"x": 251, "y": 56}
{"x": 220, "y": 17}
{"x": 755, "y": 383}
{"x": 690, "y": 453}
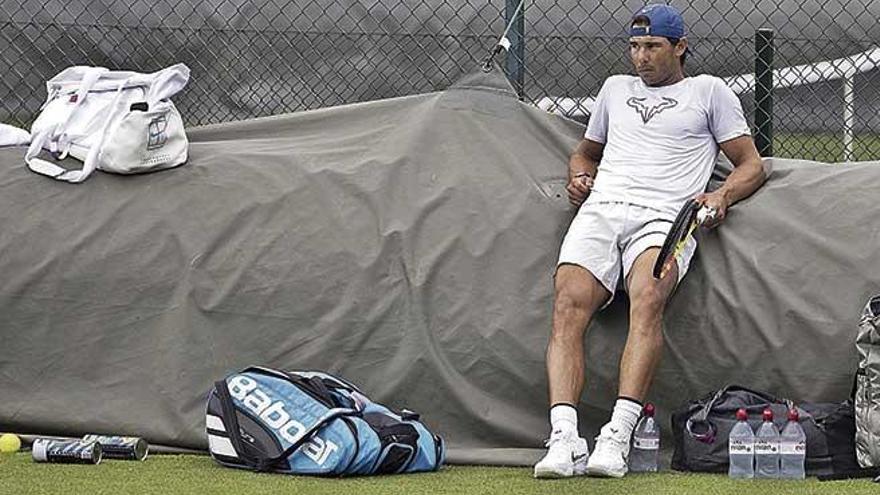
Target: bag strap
{"x": 47, "y": 136}
{"x": 231, "y": 417}
{"x": 267, "y": 463}
{"x": 260, "y": 461}
{"x": 50, "y": 169}
{"x": 703, "y": 412}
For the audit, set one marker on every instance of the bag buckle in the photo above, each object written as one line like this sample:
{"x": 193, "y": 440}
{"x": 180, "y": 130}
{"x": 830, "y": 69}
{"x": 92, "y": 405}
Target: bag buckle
{"x": 701, "y": 430}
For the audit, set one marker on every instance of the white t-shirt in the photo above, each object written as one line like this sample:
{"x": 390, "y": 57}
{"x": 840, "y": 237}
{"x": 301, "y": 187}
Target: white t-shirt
{"x": 661, "y": 143}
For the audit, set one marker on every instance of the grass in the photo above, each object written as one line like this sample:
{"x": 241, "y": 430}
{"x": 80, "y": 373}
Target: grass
{"x": 184, "y": 474}
{"x": 825, "y": 147}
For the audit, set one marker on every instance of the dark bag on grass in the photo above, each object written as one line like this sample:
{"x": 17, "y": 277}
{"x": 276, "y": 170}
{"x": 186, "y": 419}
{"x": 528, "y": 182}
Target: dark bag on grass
{"x": 701, "y": 428}
{"x": 308, "y": 422}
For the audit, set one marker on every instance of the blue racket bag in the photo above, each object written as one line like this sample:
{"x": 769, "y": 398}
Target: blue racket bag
{"x": 309, "y": 422}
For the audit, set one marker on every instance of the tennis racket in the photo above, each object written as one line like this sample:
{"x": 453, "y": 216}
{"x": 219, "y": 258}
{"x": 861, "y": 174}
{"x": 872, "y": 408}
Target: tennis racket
{"x": 689, "y": 217}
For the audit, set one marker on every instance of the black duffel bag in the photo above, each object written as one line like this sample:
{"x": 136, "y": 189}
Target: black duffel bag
{"x": 701, "y": 428}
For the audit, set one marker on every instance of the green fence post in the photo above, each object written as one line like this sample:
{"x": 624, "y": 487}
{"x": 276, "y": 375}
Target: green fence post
{"x": 515, "y": 18}
{"x": 764, "y": 91}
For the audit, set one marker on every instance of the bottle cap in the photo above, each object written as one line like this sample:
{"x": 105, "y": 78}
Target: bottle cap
{"x": 649, "y": 410}
{"x": 741, "y": 414}
{"x": 793, "y": 414}
{"x": 768, "y": 415}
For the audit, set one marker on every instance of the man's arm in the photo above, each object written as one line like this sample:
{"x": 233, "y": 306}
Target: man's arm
{"x": 582, "y": 167}
{"x": 747, "y": 176}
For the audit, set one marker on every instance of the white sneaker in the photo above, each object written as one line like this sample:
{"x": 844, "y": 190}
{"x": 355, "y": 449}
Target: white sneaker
{"x": 611, "y": 452}
{"x": 567, "y": 456}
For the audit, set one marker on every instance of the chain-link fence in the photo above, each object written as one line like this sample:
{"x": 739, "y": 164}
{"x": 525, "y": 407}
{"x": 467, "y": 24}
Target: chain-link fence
{"x": 252, "y": 58}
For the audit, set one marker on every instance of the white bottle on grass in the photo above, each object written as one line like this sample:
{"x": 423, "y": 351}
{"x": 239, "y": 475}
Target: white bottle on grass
{"x": 645, "y": 453}
{"x": 792, "y": 448}
{"x": 767, "y": 448}
{"x": 741, "y": 448}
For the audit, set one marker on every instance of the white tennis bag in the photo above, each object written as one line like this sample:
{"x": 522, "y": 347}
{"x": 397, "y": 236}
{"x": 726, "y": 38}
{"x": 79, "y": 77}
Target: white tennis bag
{"x": 117, "y": 121}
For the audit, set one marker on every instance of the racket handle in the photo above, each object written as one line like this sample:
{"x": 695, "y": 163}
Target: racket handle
{"x": 706, "y": 214}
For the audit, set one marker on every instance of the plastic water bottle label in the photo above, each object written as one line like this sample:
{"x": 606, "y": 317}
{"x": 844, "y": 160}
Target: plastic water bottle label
{"x": 765, "y": 447}
{"x": 646, "y": 443}
{"x": 740, "y": 447}
{"x": 799, "y": 448}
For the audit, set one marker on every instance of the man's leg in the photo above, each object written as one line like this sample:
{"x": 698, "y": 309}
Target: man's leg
{"x": 644, "y": 345}
{"x": 578, "y": 296}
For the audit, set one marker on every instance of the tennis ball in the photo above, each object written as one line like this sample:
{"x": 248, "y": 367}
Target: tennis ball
{"x": 9, "y": 443}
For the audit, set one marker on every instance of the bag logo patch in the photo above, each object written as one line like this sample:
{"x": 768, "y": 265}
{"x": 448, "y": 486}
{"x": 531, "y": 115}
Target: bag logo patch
{"x": 275, "y": 416}
{"x": 157, "y": 136}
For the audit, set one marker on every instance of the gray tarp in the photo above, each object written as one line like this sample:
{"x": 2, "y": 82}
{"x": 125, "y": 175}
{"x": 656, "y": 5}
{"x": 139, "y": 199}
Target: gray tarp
{"x": 408, "y": 245}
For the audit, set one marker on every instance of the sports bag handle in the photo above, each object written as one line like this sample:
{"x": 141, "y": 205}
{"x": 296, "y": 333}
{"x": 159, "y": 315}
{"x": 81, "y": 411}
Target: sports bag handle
{"x": 701, "y": 429}
{"x": 317, "y": 387}
{"x": 167, "y": 82}
{"x": 91, "y": 161}
{"x": 261, "y": 461}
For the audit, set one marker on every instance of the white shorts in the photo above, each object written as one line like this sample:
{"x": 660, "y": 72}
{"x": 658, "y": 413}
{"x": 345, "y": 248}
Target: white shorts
{"x": 606, "y": 237}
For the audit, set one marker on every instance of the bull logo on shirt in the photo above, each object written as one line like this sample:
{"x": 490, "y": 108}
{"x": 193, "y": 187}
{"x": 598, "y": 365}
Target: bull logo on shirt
{"x": 647, "y": 112}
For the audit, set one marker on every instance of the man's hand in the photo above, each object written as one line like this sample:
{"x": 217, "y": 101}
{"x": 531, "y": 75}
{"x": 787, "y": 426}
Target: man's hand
{"x": 718, "y": 200}
{"x": 582, "y": 167}
{"x": 747, "y": 176}
{"x": 579, "y": 186}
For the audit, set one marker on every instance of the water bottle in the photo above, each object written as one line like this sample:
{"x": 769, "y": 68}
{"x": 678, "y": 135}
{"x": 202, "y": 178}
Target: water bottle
{"x": 644, "y": 456}
{"x": 767, "y": 448}
{"x": 792, "y": 448}
{"x": 741, "y": 445}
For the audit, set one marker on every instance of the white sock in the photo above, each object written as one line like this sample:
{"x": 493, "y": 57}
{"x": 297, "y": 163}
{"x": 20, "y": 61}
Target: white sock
{"x": 626, "y": 414}
{"x": 563, "y": 419}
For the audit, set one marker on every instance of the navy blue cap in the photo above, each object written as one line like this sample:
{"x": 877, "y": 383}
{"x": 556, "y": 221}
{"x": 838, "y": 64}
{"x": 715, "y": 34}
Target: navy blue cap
{"x": 664, "y": 21}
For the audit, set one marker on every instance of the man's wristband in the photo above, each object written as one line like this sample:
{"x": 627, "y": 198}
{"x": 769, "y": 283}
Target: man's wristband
{"x": 582, "y": 174}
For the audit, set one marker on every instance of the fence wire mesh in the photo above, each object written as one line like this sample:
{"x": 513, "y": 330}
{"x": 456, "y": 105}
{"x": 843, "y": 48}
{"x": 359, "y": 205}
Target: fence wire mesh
{"x": 253, "y": 58}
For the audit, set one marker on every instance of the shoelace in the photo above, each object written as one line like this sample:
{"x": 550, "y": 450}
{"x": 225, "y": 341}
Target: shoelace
{"x": 610, "y": 438}
{"x": 550, "y": 441}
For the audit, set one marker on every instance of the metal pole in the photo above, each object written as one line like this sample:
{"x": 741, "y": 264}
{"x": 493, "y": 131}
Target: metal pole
{"x": 515, "y": 18}
{"x": 848, "y": 118}
{"x": 764, "y": 91}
